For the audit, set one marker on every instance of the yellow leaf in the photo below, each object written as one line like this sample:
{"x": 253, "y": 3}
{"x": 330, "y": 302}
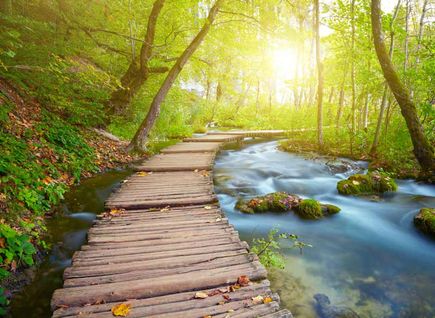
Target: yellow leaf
{"x": 165, "y": 209}
{"x": 267, "y": 300}
{"x": 201, "y": 295}
{"x": 207, "y": 207}
{"x": 258, "y": 299}
{"x": 142, "y": 174}
{"x": 121, "y": 310}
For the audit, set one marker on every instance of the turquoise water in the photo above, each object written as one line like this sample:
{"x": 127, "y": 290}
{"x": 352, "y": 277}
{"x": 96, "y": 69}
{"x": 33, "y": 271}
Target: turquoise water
{"x": 369, "y": 257}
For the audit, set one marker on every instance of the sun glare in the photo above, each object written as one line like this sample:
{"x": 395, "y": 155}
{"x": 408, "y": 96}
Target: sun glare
{"x": 285, "y": 63}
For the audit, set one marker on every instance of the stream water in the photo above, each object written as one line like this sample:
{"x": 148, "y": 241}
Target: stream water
{"x": 369, "y": 257}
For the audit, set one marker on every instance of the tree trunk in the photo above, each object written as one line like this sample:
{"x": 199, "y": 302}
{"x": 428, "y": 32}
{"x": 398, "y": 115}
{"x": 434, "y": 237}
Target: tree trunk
{"x": 6, "y": 6}
{"x": 408, "y": 7}
{"x": 319, "y": 78}
{"x": 422, "y": 149}
{"x": 420, "y": 32}
{"x": 341, "y": 99}
{"x": 257, "y": 99}
{"x": 377, "y": 136}
{"x": 219, "y": 92}
{"x": 138, "y": 71}
{"x": 139, "y": 139}
{"x": 331, "y": 94}
{"x": 352, "y": 76}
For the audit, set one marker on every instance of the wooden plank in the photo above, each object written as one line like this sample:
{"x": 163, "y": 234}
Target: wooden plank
{"x": 162, "y": 263}
{"x": 238, "y": 264}
{"x": 178, "y": 162}
{"x": 145, "y": 288}
{"x": 214, "y": 138}
{"x": 192, "y": 147}
{"x": 260, "y": 288}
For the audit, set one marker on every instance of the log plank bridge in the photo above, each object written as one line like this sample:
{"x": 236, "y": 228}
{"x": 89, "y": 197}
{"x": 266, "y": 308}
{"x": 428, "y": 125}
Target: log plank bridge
{"x": 165, "y": 248}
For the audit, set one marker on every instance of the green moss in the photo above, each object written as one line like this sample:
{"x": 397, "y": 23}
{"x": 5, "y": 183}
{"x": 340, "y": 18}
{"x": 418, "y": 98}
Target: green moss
{"x": 332, "y": 209}
{"x": 371, "y": 183}
{"x": 425, "y": 221}
{"x": 309, "y": 209}
{"x": 272, "y": 202}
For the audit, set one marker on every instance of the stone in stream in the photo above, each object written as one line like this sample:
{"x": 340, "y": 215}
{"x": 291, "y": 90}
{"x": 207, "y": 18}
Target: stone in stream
{"x": 326, "y": 310}
{"x": 425, "y": 221}
{"x": 284, "y": 202}
{"x": 364, "y": 184}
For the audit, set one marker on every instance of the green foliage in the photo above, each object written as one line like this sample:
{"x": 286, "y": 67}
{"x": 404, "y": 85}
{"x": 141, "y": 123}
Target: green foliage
{"x": 310, "y": 209}
{"x": 16, "y": 247}
{"x": 269, "y": 249}
{"x": 3, "y": 301}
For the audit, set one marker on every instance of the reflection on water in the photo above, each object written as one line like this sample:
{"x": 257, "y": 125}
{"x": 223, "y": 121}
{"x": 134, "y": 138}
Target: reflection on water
{"x": 67, "y": 233}
{"x": 369, "y": 257}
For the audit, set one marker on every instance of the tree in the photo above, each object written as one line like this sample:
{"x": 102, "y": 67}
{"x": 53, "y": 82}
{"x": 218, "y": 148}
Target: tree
{"x": 138, "y": 71}
{"x": 139, "y": 139}
{"x": 422, "y": 148}
{"x": 319, "y": 77}
{"x": 375, "y": 143}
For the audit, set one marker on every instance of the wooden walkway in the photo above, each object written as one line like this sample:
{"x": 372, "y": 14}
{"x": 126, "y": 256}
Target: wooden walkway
{"x": 165, "y": 249}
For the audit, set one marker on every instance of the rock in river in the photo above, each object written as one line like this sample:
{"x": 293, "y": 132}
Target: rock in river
{"x": 326, "y": 310}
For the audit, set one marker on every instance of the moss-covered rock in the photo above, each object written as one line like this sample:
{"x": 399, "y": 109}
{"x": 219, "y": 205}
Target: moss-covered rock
{"x": 363, "y": 184}
{"x": 272, "y": 202}
{"x": 425, "y": 221}
{"x": 309, "y": 209}
{"x": 331, "y": 209}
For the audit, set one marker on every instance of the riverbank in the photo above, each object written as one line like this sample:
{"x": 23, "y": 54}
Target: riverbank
{"x": 399, "y": 162}
{"x": 43, "y": 156}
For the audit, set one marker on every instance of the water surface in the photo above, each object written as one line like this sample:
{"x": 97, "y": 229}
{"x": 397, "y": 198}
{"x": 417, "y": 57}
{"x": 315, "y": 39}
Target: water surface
{"x": 369, "y": 257}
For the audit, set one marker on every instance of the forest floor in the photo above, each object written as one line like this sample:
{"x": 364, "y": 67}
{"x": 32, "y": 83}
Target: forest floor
{"x": 43, "y": 155}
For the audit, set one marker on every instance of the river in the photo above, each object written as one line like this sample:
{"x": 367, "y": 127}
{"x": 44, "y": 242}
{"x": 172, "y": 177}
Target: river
{"x": 369, "y": 257}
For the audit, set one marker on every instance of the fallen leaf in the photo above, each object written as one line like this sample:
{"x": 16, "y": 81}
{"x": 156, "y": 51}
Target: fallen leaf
{"x": 243, "y": 280}
{"x": 142, "y": 174}
{"x": 208, "y": 316}
{"x": 14, "y": 266}
{"x": 355, "y": 182}
{"x": 121, "y": 310}
{"x": 226, "y": 296}
{"x": 218, "y": 219}
{"x": 224, "y": 290}
{"x": 234, "y": 287}
{"x": 201, "y": 295}
{"x": 258, "y": 299}
{"x": 267, "y": 300}
{"x": 166, "y": 209}
{"x": 207, "y": 207}
{"x": 2, "y": 242}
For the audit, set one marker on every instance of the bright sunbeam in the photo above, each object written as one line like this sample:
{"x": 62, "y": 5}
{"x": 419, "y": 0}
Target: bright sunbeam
{"x": 285, "y": 63}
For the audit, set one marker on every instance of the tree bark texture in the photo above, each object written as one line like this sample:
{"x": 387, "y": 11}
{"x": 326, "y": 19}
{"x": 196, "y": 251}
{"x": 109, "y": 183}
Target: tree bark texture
{"x": 422, "y": 149}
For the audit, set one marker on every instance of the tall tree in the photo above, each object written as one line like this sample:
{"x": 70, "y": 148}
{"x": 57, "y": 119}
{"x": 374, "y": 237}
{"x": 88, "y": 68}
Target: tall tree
{"x": 319, "y": 77}
{"x": 352, "y": 75}
{"x": 139, "y": 139}
{"x": 138, "y": 70}
{"x": 423, "y": 150}
{"x": 377, "y": 136}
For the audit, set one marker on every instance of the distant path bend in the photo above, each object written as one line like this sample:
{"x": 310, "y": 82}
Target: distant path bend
{"x": 163, "y": 240}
